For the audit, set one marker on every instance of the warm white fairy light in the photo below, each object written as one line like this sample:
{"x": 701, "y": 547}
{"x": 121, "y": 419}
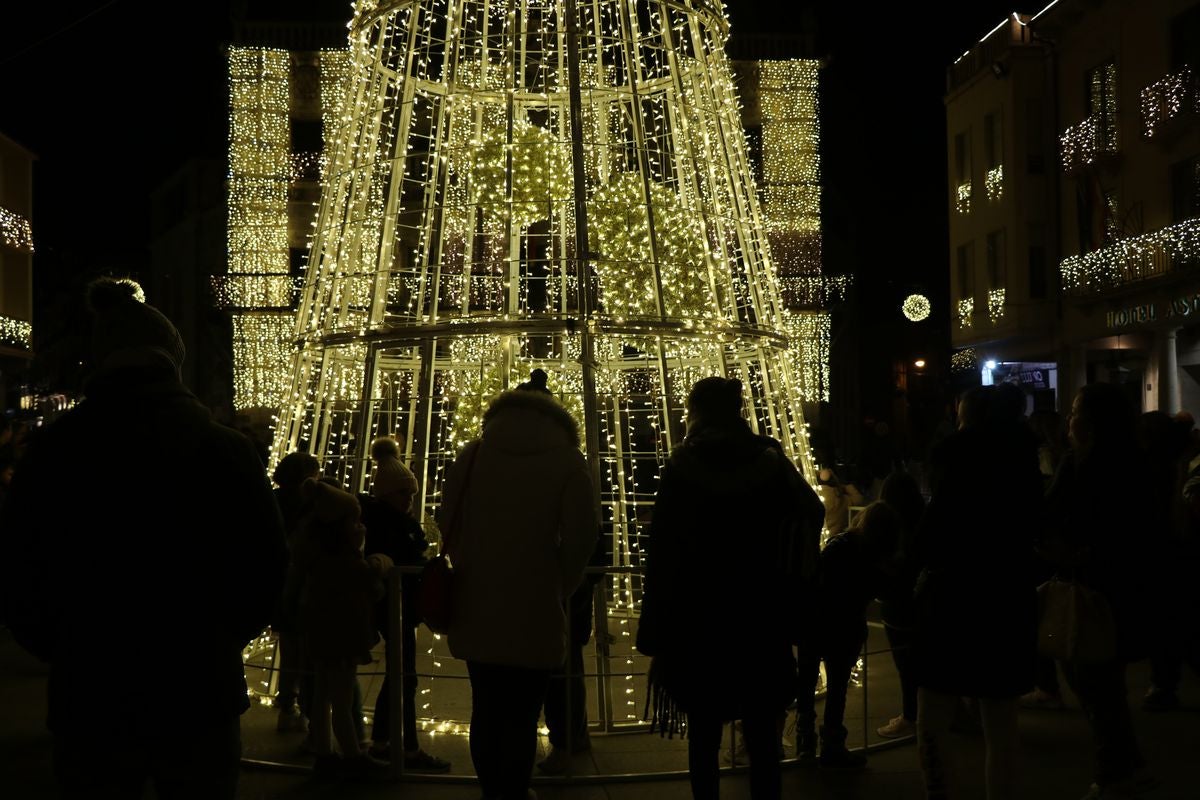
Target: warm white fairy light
{"x": 966, "y": 312}
{"x": 964, "y": 360}
{"x": 996, "y": 304}
{"x": 446, "y": 237}
{"x": 15, "y": 231}
{"x": 963, "y": 198}
{"x": 16, "y": 332}
{"x": 1132, "y": 259}
{"x": 994, "y": 182}
{"x": 1087, "y": 141}
{"x": 1167, "y": 98}
{"x": 916, "y": 307}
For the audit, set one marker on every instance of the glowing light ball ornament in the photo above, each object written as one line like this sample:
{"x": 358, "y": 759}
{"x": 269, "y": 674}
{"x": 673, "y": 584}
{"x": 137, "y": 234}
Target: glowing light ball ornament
{"x": 447, "y": 262}
{"x": 916, "y": 307}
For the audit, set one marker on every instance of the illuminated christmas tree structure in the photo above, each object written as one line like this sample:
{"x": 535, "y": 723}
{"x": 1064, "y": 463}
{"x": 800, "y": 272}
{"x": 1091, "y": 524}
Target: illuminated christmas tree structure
{"x": 479, "y": 144}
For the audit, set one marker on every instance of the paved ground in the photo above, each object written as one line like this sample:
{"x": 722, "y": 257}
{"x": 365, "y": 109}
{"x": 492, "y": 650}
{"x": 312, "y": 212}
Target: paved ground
{"x": 1056, "y": 752}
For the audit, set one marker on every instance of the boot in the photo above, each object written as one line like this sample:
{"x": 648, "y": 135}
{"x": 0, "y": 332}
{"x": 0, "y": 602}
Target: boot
{"x": 806, "y": 746}
{"x": 834, "y": 754}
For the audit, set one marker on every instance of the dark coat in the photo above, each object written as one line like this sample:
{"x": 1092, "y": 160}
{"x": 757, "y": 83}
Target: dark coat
{"x": 735, "y": 528}
{"x": 976, "y": 603}
{"x": 401, "y": 538}
{"x": 850, "y": 578}
{"x": 140, "y": 544}
{"x": 1098, "y": 507}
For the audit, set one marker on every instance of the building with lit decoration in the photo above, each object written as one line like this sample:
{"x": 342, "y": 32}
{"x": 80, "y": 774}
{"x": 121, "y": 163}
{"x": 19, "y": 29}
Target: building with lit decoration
{"x": 1003, "y": 238}
{"x": 16, "y": 269}
{"x": 1120, "y": 100}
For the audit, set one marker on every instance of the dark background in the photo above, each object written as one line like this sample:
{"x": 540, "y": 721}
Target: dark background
{"x": 114, "y": 96}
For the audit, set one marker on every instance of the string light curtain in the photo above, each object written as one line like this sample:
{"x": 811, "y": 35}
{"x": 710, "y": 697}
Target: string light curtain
{"x": 444, "y": 262}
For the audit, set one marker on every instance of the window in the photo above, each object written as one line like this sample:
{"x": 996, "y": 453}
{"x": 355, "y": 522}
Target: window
{"x": 962, "y": 158}
{"x": 1037, "y": 261}
{"x": 306, "y": 135}
{"x": 1037, "y": 272}
{"x": 1100, "y": 91}
{"x": 993, "y": 140}
{"x": 996, "y": 266}
{"x": 1185, "y": 189}
{"x": 966, "y": 271}
{"x": 1035, "y": 159}
{"x": 1185, "y": 40}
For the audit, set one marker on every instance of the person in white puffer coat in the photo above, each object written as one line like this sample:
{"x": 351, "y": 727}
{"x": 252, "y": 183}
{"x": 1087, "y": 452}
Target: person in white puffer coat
{"x": 519, "y": 523}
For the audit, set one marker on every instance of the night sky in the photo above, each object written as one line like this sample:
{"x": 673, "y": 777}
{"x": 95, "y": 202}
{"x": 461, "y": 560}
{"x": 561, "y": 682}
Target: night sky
{"x": 82, "y": 89}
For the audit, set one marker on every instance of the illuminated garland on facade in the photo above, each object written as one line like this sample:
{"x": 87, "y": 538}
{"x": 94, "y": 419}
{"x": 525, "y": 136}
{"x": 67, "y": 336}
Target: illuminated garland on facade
{"x": 995, "y": 182}
{"x": 966, "y": 312}
{"x": 996, "y": 305}
{"x": 16, "y": 333}
{"x": 1087, "y": 141}
{"x": 260, "y": 171}
{"x": 788, "y": 94}
{"x": 1167, "y": 98}
{"x": 965, "y": 360}
{"x": 16, "y": 231}
{"x": 963, "y": 198}
{"x": 1131, "y": 260}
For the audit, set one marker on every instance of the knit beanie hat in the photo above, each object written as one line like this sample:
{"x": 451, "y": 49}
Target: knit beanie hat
{"x": 128, "y": 332}
{"x": 391, "y": 475}
{"x": 328, "y": 503}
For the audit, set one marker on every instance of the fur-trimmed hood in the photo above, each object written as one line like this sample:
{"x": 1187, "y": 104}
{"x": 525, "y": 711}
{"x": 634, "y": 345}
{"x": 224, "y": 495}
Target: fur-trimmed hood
{"x": 526, "y": 422}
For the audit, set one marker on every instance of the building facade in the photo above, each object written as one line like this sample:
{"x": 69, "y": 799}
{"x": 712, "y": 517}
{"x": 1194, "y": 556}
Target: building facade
{"x": 16, "y": 270}
{"x": 1001, "y": 182}
{"x": 1080, "y": 260}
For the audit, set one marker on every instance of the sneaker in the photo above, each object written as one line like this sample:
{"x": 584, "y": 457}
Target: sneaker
{"x": 327, "y": 766}
{"x": 1122, "y": 790}
{"x": 364, "y": 768}
{"x": 806, "y": 746}
{"x": 556, "y": 763}
{"x": 1042, "y": 700}
{"x": 1160, "y": 700}
{"x": 420, "y": 761}
{"x": 841, "y": 759}
{"x": 291, "y": 721}
{"x": 896, "y": 728}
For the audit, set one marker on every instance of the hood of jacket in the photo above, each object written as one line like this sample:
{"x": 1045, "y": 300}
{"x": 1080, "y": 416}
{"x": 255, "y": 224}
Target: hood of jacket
{"x": 523, "y": 422}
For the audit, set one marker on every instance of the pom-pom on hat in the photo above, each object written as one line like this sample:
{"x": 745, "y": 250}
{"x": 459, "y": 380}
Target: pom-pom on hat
{"x": 391, "y": 476}
{"x": 126, "y": 331}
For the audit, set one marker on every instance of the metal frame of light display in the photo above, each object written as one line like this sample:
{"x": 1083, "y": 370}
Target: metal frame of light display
{"x": 444, "y": 265}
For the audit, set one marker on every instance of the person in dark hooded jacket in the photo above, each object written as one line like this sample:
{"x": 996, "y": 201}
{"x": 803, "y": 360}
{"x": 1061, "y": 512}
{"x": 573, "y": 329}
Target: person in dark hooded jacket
{"x": 174, "y": 550}
{"x": 735, "y": 529}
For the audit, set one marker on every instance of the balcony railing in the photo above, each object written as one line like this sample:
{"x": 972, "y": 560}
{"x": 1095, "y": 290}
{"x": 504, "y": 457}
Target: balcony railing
{"x": 1087, "y": 142}
{"x": 1132, "y": 260}
{"x": 1167, "y": 98}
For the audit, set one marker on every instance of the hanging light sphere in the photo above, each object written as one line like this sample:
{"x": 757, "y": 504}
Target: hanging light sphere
{"x": 915, "y": 307}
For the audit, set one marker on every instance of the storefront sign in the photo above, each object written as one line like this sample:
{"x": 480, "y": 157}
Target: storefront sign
{"x": 1134, "y": 315}
{"x": 1183, "y": 306}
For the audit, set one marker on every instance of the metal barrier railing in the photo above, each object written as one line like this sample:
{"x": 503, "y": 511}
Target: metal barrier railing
{"x": 602, "y": 679}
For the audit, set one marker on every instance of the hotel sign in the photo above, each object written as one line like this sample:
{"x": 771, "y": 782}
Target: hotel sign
{"x": 1150, "y": 312}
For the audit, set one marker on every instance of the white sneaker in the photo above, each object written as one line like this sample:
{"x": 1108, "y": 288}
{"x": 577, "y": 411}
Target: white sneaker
{"x": 896, "y": 728}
